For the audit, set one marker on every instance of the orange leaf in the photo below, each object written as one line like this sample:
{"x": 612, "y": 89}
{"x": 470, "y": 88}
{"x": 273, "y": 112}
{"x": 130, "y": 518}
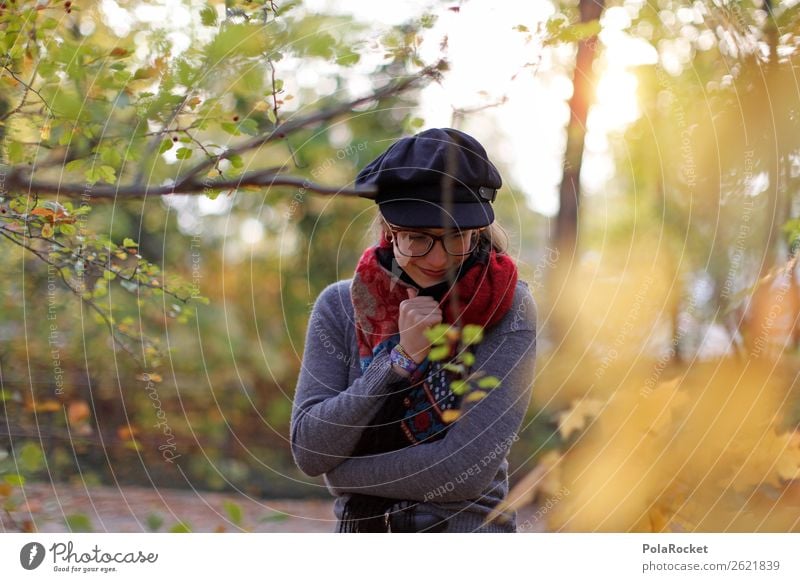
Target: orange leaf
{"x": 78, "y": 412}
{"x": 127, "y": 432}
{"x": 45, "y": 213}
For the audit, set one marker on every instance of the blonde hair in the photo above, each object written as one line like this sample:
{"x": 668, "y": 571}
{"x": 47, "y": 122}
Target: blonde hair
{"x": 494, "y": 234}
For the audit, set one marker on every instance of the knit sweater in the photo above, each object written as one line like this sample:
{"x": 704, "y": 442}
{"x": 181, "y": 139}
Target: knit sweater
{"x": 462, "y": 476}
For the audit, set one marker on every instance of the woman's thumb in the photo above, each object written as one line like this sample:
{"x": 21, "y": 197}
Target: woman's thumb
{"x": 412, "y": 292}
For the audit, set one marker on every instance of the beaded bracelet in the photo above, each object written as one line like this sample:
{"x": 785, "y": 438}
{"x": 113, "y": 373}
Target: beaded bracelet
{"x": 400, "y": 357}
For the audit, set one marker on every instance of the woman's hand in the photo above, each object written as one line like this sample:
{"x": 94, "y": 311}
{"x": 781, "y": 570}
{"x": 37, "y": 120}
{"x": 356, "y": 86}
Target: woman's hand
{"x": 416, "y": 315}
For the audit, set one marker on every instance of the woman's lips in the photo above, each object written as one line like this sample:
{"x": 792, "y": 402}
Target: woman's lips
{"x": 432, "y": 273}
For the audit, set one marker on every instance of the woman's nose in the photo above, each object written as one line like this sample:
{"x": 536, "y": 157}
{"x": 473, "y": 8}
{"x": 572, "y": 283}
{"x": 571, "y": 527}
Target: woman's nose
{"x": 437, "y": 256}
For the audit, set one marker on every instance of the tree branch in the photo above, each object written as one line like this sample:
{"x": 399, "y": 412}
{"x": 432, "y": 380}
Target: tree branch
{"x": 20, "y": 179}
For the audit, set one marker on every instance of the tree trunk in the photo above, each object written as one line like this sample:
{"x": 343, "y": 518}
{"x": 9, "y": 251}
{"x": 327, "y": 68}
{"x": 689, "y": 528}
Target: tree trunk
{"x": 566, "y": 229}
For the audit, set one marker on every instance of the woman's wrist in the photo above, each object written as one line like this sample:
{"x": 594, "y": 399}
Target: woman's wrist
{"x": 402, "y": 361}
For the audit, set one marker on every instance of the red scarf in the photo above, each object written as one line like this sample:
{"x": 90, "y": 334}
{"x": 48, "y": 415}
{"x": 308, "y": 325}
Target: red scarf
{"x": 485, "y": 293}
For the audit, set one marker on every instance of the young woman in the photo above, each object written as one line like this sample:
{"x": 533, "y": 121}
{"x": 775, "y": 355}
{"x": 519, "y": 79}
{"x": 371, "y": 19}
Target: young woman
{"x": 369, "y": 406}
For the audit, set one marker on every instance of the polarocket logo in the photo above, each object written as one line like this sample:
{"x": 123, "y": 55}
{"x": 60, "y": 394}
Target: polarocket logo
{"x": 31, "y": 555}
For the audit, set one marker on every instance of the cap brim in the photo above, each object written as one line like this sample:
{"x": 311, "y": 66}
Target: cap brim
{"x": 426, "y": 214}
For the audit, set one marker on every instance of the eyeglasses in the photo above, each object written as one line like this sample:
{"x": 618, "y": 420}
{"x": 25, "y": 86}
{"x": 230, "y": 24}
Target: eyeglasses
{"x": 412, "y": 243}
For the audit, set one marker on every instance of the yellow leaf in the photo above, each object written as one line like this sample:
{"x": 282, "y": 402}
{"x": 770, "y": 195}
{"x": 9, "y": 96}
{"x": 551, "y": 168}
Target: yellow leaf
{"x": 45, "y": 131}
{"x": 475, "y": 395}
{"x": 46, "y": 406}
{"x": 449, "y": 416}
{"x": 574, "y": 419}
{"x": 47, "y": 230}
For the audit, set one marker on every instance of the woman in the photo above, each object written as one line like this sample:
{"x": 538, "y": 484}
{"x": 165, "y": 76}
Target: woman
{"x": 369, "y": 406}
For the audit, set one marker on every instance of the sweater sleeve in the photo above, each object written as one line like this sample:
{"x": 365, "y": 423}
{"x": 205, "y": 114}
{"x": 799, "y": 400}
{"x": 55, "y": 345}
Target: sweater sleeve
{"x": 328, "y": 416}
{"x": 463, "y": 464}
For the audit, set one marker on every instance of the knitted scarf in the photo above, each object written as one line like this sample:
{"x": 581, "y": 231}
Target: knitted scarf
{"x": 412, "y": 411}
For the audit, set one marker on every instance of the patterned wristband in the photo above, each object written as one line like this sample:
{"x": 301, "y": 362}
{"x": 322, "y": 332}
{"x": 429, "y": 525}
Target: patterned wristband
{"x": 401, "y": 358}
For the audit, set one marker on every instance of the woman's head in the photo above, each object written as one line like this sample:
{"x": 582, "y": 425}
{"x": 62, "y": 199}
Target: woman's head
{"x": 439, "y": 178}
{"x": 427, "y": 255}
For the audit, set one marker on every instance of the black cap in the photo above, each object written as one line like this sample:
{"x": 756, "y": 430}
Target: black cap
{"x": 412, "y": 175}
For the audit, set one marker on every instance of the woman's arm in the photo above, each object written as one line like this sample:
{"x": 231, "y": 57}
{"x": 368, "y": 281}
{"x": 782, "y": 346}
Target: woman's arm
{"x": 328, "y": 416}
{"x": 464, "y": 463}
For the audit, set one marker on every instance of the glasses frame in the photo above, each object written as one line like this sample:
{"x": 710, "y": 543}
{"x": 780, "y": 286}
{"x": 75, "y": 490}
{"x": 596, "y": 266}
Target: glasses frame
{"x": 476, "y": 235}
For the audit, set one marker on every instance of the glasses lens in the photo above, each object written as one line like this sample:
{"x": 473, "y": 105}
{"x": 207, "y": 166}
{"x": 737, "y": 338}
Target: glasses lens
{"x": 462, "y": 243}
{"x": 413, "y": 244}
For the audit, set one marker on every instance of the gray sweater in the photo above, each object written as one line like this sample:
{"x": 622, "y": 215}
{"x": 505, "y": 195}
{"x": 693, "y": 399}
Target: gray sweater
{"x": 461, "y": 476}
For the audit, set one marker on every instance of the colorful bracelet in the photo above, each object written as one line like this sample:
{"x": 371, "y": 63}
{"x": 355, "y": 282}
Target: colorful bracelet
{"x": 400, "y": 357}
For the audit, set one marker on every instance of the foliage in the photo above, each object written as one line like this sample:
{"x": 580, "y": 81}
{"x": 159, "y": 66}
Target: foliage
{"x": 124, "y": 368}
{"x": 455, "y": 344}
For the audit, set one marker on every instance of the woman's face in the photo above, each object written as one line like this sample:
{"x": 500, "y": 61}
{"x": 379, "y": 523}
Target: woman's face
{"x": 433, "y": 267}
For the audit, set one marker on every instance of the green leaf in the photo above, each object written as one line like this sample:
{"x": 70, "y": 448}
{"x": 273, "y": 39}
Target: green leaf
{"x": 274, "y": 517}
{"x": 348, "y": 59}
{"x": 180, "y": 527}
{"x": 111, "y": 156}
{"x": 245, "y": 40}
{"x": 67, "y": 229}
{"x": 437, "y": 334}
{"x": 166, "y": 145}
{"x": 129, "y": 243}
{"x": 459, "y": 387}
{"x": 230, "y": 128}
{"x": 15, "y": 152}
{"x": 455, "y": 368}
{"x": 15, "y": 479}
{"x": 471, "y": 334}
{"x": 468, "y": 358}
{"x": 208, "y": 16}
{"x": 488, "y": 382}
{"x": 236, "y": 160}
{"x": 183, "y": 153}
{"x": 249, "y": 126}
{"x": 79, "y": 522}
{"x": 154, "y": 522}
{"x": 31, "y": 457}
{"x": 109, "y": 275}
{"x": 234, "y": 511}
{"x": 74, "y": 165}
{"x": 439, "y": 353}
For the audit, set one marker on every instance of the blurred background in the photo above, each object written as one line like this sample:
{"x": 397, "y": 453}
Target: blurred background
{"x": 650, "y": 156}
